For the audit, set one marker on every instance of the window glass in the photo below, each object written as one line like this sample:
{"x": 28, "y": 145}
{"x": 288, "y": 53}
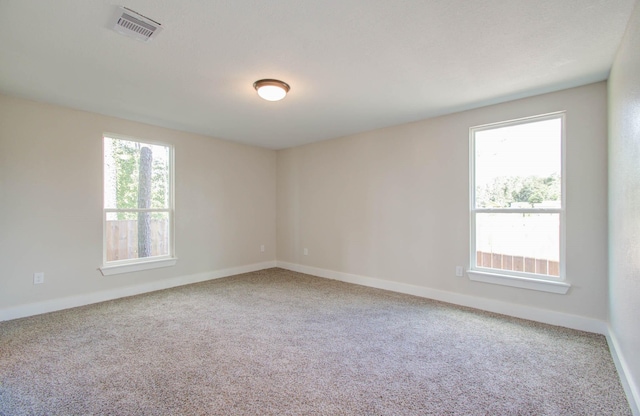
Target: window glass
{"x": 519, "y": 165}
{"x": 137, "y": 200}
{"x": 517, "y": 208}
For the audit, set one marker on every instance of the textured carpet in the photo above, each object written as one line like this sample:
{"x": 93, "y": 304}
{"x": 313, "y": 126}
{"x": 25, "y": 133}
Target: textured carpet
{"x": 278, "y": 342}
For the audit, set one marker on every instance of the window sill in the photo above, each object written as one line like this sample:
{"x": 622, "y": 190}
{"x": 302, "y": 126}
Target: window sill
{"x": 522, "y": 282}
{"x": 136, "y": 267}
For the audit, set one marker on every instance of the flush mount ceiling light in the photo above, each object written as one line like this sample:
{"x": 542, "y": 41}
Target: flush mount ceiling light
{"x": 271, "y": 89}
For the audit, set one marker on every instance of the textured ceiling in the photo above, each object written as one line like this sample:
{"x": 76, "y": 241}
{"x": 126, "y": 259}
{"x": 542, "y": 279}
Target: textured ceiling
{"x": 353, "y": 65}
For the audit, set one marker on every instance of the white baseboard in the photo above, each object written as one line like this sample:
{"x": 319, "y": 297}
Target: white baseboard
{"x": 89, "y": 298}
{"x": 630, "y": 388}
{"x": 519, "y": 311}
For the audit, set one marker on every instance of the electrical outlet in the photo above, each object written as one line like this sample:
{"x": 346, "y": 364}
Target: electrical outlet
{"x": 306, "y": 251}
{"x": 38, "y": 278}
{"x": 459, "y": 271}
{"x": 262, "y": 248}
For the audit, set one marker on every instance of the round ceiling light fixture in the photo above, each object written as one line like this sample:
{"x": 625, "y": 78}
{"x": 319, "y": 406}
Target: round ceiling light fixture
{"x": 271, "y": 89}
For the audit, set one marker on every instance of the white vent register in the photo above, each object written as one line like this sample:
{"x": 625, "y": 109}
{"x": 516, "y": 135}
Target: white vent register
{"x": 134, "y": 25}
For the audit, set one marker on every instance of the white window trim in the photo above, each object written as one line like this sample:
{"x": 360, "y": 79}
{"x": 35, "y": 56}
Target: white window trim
{"x": 541, "y": 285}
{"x": 509, "y": 278}
{"x": 148, "y": 263}
{"x": 128, "y": 267}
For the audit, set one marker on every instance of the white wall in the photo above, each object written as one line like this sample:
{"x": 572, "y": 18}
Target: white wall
{"x": 51, "y": 205}
{"x": 392, "y": 204}
{"x": 624, "y": 202}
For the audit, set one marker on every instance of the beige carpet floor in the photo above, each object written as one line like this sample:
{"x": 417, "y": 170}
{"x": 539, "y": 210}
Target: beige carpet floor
{"x": 276, "y": 342}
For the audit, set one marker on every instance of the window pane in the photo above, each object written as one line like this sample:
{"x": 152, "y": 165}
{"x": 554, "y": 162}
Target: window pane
{"x": 136, "y": 175}
{"x": 132, "y": 235}
{"x": 520, "y": 242}
{"x": 519, "y": 166}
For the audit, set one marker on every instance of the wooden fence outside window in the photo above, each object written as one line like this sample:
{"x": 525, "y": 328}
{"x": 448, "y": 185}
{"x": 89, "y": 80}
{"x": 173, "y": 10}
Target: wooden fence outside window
{"x": 122, "y": 239}
{"x": 517, "y": 263}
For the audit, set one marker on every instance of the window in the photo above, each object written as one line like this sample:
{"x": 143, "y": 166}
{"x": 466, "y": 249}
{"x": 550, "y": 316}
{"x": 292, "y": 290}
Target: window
{"x": 138, "y": 205}
{"x": 517, "y": 208}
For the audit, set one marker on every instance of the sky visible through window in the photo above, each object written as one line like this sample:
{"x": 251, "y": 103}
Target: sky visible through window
{"x": 532, "y": 149}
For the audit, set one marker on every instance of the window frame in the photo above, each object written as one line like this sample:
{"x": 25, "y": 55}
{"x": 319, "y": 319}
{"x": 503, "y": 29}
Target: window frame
{"x": 526, "y": 280}
{"x": 145, "y": 263}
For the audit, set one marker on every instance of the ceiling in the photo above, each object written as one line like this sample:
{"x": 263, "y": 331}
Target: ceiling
{"x": 353, "y": 65}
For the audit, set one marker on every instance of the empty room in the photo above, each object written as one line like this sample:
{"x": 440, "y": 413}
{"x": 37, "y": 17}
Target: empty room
{"x": 332, "y": 208}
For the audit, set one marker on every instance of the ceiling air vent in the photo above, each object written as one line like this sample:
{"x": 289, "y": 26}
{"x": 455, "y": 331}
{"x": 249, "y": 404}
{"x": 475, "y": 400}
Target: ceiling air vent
{"x": 134, "y": 25}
